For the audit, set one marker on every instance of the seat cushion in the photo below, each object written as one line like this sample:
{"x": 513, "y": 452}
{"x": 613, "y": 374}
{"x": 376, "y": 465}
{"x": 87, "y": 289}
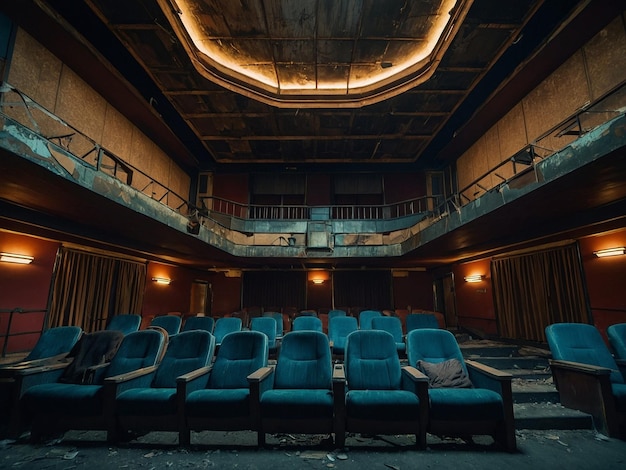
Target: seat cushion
{"x": 384, "y": 405}
{"x": 146, "y": 402}
{"x": 218, "y": 403}
{"x": 70, "y": 399}
{"x": 297, "y": 404}
{"x": 465, "y": 404}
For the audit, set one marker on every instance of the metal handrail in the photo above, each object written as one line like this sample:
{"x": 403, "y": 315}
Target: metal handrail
{"x": 7, "y": 335}
{"x": 421, "y": 205}
{"x": 86, "y": 150}
{"x": 573, "y": 126}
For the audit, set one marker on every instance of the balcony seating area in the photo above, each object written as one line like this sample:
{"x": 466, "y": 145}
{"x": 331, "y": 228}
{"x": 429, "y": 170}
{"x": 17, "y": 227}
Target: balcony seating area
{"x": 351, "y": 381}
{"x": 587, "y": 375}
{"x": 150, "y": 399}
{"x": 217, "y": 397}
{"x": 465, "y": 397}
{"x": 54, "y": 401}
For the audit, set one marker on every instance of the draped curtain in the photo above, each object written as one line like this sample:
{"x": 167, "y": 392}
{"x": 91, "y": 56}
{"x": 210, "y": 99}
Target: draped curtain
{"x": 366, "y": 289}
{"x": 90, "y": 288}
{"x": 534, "y": 290}
{"x": 275, "y": 288}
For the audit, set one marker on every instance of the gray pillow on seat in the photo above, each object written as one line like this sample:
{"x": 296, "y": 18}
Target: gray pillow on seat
{"x": 446, "y": 374}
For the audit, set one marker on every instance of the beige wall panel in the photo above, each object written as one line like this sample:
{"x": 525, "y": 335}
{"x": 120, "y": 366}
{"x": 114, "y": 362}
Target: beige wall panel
{"x": 492, "y": 150}
{"x": 140, "y": 151}
{"x": 141, "y": 182}
{"x": 465, "y": 167}
{"x": 179, "y": 181}
{"x": 118, "y": 133}
{"x": 80, "y": 106}
{"x": 159, "y": 165}
{"x": 34, "y": 70}
{"x": 480, "y": 160}
{"x": 557, "y": 97}
{"x": 606, "y": 58}
{"x": 511, "y": 132}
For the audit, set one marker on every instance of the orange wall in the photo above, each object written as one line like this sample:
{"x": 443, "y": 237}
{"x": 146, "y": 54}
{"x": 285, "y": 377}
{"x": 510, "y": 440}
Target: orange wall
{"x": 233, "y": 187}
{"x": 318, "y": 191}
{"x": 226, "y": 294}
{"x": 403, "y": 186}
{"x": 319, "y": 296}
{"x": 160, "y": 299}
{"x": 606, "y": 279}
{"x": 414, "y": 291}
{"x": 25, "y": 287}
{"x": 474, "y": 301}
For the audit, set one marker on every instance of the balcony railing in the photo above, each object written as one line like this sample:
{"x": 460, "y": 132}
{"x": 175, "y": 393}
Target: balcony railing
{"x": 560, "y": 136}
{"x": 422, "y": 205}
{"x": 63, "y": 138}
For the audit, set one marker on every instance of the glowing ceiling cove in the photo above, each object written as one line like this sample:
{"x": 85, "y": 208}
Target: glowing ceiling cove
{"x": 316, "y": 53}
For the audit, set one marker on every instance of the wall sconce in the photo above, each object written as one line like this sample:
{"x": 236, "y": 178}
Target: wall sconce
{"x": 318, "y": 277}
{"x": 162, "y": 280}
{"x": 474, "y": 278}
{"x": 15, "y": 258}
{"x": 617, "y": 251}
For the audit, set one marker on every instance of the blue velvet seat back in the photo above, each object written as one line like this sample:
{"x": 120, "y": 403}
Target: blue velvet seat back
{"x": 304, "y": 361}
{"x": 306, "y": 323}
{"x": 186, "y": 351}
{"x": 266, "y": 325}
{"x": 365, "y": 318}
{"x": 617, "y": 339}
{"x": 415, "y": 321}
{"x": 240, "y": 354}
{"x": 170, "y": 323}
{"x": 336, "y": 313}
{"x": 199, "y": 323}
{"x": 55, "y": 341}
{"x": 432, "y": 345}
{"x": 338, "y": 330}
{"x": 126, "y": 323}
{"x": 392, "y": 325}
{"x": 279, "y": 321}
{"x": 371, "y": 361}
{"x": 580, "y": 342}
{"x": 226, "y": 325}
{"x": 139, "y": 349}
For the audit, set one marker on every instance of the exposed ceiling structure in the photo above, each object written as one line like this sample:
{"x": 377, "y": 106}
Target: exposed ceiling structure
{"x": 243, "y": 121}
{"x": 496, "y": 52}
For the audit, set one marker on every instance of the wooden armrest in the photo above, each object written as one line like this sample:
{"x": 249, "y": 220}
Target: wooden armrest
{"x": 339, "y": 373}
{"x": 194, "y": 374}
{"x": 33, "y": 363}
{"x": 117, "y": 379}
{"x": 42, "y": 368}
{"x": 579, "y": 367}
{"x": 489, "y": 371}
{"x": 260, "y": 374}
{"x": 415, "y": 374}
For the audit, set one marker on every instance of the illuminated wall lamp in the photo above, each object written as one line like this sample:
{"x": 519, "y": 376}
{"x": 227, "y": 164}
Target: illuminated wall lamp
{"x": 617, "y": 251}
{"x": 15, "y": 258}
{"x": 162, "y": 280}
{"x": 474, "y": 278}
{"x": 318, "y": 277}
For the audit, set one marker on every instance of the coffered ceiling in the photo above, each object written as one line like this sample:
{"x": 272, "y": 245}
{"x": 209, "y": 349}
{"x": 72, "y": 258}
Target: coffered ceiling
{"x": 320, "y": 81}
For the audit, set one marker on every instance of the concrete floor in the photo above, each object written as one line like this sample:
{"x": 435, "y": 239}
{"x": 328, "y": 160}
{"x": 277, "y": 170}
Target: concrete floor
{"x": 557, "y": 449}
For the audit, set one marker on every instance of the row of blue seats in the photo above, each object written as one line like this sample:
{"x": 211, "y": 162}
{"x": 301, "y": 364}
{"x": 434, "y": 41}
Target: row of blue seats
{"x": 153, "y": 383}
{"x": 271, "y": 323}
